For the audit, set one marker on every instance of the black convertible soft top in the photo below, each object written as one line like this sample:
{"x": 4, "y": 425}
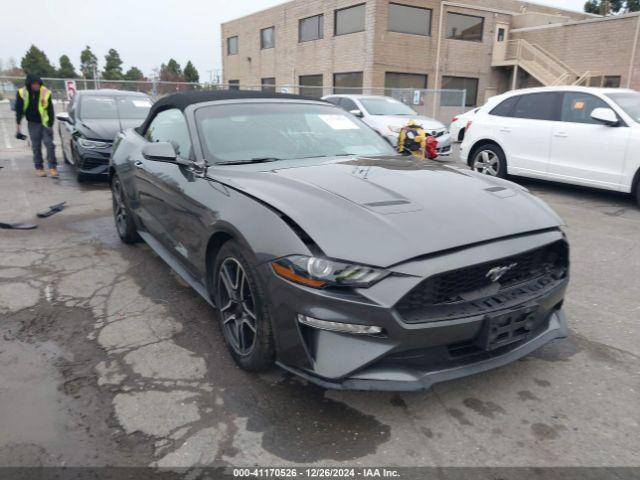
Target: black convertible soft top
{"x": 183, "y": 100}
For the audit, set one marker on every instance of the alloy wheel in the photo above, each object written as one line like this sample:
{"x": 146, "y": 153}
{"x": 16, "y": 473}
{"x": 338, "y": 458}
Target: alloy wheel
{"x": 237, "y": 307}
{"x": 119, "y": 209}
{"x": 487, "y": 162}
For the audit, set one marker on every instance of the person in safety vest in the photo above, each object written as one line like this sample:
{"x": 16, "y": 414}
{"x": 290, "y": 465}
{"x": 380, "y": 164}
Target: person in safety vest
{"x": 33, "y": 101}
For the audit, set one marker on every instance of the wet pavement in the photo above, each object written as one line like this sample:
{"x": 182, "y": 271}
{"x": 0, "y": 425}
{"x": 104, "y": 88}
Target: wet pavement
{"x": 107, "y": 358}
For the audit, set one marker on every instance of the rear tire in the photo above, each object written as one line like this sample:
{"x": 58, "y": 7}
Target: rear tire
{"x": 125, "y": 225}
{"x": 489, "y": 159}
{"x": 244, "y": 318}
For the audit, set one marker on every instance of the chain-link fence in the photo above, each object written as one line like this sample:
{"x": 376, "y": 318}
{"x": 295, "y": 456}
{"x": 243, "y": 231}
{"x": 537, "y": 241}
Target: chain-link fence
{"x": 58, "y": 86}
{"x": 440, "y": 104}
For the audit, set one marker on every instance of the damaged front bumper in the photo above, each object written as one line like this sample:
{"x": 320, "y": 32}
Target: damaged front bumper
{"x": 409, "y": 354}
{"x": 411, "y": 378}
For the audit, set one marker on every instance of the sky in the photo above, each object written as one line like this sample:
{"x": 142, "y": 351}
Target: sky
{"x": 146, "y": 33}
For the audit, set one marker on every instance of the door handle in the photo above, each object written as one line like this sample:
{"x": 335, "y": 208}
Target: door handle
{"x": 505, "y": 130}
{"x": 561, "y": 134}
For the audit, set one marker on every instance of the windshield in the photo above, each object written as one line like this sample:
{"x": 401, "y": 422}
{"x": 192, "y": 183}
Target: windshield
{"x": 114, "y": 108}
{"x": 386, "y": 106}
{"x": 284, "y": 131}
{"x": 629, "y": 102}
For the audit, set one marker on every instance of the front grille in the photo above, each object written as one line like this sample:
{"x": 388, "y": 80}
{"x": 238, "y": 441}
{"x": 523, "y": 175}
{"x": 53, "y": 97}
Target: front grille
{"x": 90, "y": 163}
{"x": 470, "y": 290}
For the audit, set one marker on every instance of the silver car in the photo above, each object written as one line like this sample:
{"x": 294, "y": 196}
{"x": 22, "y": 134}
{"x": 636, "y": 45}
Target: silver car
{"x": 386, "y": 115}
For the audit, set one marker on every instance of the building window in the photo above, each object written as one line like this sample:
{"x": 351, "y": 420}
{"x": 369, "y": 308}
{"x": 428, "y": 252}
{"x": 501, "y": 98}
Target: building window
{"x": 267, "y": 38}
{"x": 232, "y": 45}
{"x": 611, "y": 81}
{"x": 310, "y": 85}
{"x": 414, "y": 81}
{"x": 501, "y": 34}
{"x": 345, "y": 83}
{"x": 234, "y": 84}
{"x": 464, "y": 27}
{"x": 406, "y": 19}
{"x": 453, "y": 99}
{"x": 349, "y": 20}
{"x": 268, "y": 84}
{"x": 311, "y": 28}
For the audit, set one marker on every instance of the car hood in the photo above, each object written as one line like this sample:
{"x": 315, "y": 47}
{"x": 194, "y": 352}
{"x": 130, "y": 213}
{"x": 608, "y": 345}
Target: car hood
{"x": 105, "y": 129}
{"x": 383, "y": 121}
{"x": 382, "y": 211}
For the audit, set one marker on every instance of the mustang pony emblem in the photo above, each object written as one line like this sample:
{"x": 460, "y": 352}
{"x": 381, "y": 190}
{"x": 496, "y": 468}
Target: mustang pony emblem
{"x": 496, "y": 273}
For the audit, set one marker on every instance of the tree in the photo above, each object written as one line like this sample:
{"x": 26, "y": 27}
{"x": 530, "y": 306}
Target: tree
{"x": 88, "y": 62}
{"x": 171, "y": 72}
{"x": 134, "y": 73}
{"x": 611, "y": 7}
{"x": 66, "y": 70}
{"x": 191, "y": 73}
{"x": 35, "y": 62}
{"x": 113, "y": 65}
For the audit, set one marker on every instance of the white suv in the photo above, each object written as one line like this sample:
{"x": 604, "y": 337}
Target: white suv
{"x": 585, "y": 136}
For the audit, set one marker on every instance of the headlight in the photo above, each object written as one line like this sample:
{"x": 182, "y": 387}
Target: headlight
{"x": 394, "y": 128}
{"x": 93, "y": 143}
{"x": 320, "y": 272}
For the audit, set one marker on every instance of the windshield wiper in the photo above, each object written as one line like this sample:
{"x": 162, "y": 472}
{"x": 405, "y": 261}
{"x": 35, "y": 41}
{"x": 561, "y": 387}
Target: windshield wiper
{"x": 251, "y": 160}
{"x": 326, "y": 156}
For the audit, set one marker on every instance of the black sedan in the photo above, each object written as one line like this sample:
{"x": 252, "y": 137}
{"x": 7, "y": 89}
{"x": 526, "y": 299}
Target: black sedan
{"x": 325, "y": 252}
{"x": 90, "y": 125}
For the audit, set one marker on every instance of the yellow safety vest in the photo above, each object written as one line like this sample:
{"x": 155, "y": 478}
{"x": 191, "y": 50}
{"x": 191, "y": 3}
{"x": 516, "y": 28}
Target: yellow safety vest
{"x": 43, "y": 102}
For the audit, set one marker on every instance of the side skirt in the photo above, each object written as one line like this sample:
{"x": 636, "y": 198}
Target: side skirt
{"x": 176, "y": 266}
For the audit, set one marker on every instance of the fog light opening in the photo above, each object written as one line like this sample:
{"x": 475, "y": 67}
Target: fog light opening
{"x": 339, "y": 326}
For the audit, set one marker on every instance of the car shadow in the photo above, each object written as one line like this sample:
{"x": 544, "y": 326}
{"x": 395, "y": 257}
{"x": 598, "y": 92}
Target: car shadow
{"x": 579, "y": 193}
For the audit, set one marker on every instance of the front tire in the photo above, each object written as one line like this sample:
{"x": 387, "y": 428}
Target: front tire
{"x": 244, "y": 319}
{"x": 125, "y": 225}
{"x": 64, "y": 153}
{"x": 489, "y": 159}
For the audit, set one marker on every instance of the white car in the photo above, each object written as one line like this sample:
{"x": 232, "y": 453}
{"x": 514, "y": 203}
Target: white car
{"x": 387, "y": 116}
{"x": 459, "y": 124}
{"x": 579, "y": 135}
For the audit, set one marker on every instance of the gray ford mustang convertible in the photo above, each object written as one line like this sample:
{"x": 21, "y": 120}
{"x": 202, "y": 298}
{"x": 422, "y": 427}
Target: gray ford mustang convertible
{"x": 329, "y": 254}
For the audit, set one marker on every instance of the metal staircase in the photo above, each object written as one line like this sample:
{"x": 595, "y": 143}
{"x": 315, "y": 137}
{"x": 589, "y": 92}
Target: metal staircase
{"x": 543, "y": 66}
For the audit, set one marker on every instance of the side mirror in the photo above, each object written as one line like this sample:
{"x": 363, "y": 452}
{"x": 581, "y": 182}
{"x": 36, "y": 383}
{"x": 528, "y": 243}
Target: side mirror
{"x": 64, "y": 117}
{"x": 357, "y": 113}
{"x": 164, "y": 152}
{"x": 160, "y": 152}
{"x": 606, "y": 116}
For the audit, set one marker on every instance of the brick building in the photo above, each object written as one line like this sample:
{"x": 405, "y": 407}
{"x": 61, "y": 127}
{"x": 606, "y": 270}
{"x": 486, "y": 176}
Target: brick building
{"x": 482, "y": 46}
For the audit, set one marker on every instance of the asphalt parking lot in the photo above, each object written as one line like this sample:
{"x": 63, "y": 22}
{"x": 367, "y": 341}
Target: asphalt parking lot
{"x": 107, "y": 358}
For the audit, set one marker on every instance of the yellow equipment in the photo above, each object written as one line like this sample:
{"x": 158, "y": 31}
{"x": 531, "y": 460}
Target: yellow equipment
{"x": 412, "y": 139}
